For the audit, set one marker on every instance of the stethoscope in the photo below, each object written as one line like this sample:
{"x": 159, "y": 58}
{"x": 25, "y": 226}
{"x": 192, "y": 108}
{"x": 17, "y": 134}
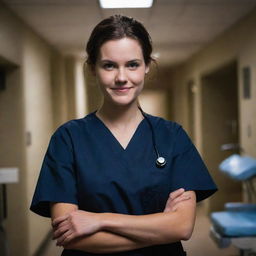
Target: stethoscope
{"x": 160, "y": 161}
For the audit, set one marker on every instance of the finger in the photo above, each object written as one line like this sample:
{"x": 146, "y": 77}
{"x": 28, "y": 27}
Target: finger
{"x": 63, "y": 223}
{"x": 65, "y": 237}
{"x": 180, "y": 199}
{"x": 60, "y": 231}
{"x": 167, "y": 209}
{"x": 175, "y": 202}
{"x": 174, "y": 209}
{"x": 58, "y": 220}
{"x": 168, "y": 201}
{"x": 168, "y": 205}
{"x": 176, "y": 193}
{"x": 68, "y": 239}
{"x": 60, "y": 239}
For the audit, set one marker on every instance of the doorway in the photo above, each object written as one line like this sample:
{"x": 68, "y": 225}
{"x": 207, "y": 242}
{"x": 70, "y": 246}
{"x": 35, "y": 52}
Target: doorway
{"x": 219, "y": 128}
{"x": 12, "y": 155}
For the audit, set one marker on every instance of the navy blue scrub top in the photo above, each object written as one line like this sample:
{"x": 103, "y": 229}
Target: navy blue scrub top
{"x": 86, "y": 165}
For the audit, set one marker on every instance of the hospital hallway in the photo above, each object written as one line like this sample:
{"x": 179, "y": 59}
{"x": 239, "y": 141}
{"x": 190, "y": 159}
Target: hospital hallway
{"x": 200, "y": 243}
{"x": 203, "y": 78}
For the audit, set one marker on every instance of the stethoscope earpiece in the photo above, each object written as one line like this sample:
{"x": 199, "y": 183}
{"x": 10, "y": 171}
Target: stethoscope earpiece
{"x": 160, "y": 161}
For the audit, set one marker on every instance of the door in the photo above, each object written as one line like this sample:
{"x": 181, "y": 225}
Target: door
{"x": 219, "y": 128}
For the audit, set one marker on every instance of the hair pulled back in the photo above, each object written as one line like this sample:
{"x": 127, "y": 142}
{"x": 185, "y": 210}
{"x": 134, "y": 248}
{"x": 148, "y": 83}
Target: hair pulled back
{"x": 114, "y": 28}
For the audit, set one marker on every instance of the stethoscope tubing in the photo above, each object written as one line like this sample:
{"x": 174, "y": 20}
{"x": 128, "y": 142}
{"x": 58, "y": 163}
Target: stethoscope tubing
{"x": 160, "y": 161}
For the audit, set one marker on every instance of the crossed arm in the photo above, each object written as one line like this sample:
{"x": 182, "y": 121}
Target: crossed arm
{"x": 111, "y": 232}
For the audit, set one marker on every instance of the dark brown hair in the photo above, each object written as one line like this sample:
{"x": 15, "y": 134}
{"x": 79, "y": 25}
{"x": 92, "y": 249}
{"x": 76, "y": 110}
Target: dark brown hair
{"x": 114, "y": 28}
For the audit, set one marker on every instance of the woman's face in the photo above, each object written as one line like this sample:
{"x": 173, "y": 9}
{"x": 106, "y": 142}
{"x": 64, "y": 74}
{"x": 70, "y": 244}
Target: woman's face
{"x": 120, "y": 70}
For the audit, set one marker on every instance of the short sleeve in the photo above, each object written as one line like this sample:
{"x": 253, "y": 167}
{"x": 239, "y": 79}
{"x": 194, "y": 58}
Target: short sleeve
{"x": 57, "y": 179}
{"x": 188, "y": 168}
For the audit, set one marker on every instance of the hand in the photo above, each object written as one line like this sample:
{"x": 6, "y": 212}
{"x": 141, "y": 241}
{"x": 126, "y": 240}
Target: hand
{"x": 75, "y": 224}
{"x": 174, "y": 198}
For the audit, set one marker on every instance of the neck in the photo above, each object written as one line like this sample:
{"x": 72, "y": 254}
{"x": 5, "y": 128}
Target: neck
{"x": 120, "y": 114}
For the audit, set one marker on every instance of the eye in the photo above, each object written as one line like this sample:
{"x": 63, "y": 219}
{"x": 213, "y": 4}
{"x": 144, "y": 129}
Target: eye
{"x": 108, "y": 66}
{"x": 133, "y": 65}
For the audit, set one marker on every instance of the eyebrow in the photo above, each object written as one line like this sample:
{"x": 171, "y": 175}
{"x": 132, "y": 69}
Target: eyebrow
{"x": 111, "y": 61}
{"x": 139, "y": 60}
{"x": 106, "y": 60}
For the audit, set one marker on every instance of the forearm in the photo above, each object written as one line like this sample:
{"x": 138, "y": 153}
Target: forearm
{"x": 158, "y": 228}
{"x": 105, "y": 242}
{"x": 100, "y": 242}
{"x": 88, "y": 231}
{"x": 121, "y": 232}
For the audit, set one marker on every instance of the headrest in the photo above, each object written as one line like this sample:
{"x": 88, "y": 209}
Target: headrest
{"x": 239, "y": 167}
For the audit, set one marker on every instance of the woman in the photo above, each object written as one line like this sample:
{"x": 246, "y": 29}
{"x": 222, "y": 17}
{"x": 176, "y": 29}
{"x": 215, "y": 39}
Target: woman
{"x": 100, "y": 182}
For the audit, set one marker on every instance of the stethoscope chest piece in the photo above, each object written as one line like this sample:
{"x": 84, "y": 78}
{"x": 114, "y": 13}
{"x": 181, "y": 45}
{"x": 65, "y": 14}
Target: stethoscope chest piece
{"x": 160, "y": 161}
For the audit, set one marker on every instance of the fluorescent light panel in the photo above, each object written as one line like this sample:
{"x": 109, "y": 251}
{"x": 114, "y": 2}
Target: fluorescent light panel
{"x": 126, "y": 3}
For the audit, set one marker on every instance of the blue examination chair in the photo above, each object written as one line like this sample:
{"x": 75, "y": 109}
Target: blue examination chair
{"x": 237, "y": 224}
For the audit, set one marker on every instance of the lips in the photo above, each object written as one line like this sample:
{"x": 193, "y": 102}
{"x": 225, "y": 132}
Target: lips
{"x": 121, "y": 89}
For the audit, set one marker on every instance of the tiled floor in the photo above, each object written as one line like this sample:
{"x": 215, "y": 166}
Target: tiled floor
{"x": 199, "y": 245}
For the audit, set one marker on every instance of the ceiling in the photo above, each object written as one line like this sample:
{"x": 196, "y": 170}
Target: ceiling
{"x": 178, "y": 28}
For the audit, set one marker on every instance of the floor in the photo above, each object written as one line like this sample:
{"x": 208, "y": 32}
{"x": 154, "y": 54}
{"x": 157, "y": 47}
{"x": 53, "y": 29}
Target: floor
{"x": 199, "y": 245}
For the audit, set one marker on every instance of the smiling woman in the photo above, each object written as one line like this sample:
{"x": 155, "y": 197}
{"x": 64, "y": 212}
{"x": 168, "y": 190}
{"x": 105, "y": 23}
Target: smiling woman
{"x": 99, "y": 180}
{"x": 120, "y": 72}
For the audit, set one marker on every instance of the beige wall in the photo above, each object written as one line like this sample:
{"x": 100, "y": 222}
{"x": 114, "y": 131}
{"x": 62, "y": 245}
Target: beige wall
{"x": 11, "y": 32}
{"x": 247, "y": 57}
{"x": 94, "y": 96}
{"x": 38, "y": 120}
{"x": 70, "y": 86}
{"x": 12, "y": 149}
{"x": 26, "y": 105}
{"x": 219, "y": 127}
{"x": 80, "y": 89}
{"x": 12, "y": 154}
{"x": 69, "y": 95}
{"x": 154, "y": 102}
{"x": 40, "y": 95}
{"x": 59, "y": 91}
{"x": 236, "y": 44}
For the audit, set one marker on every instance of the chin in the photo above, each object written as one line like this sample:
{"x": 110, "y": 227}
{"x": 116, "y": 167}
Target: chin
{"x": 122, "y": 102}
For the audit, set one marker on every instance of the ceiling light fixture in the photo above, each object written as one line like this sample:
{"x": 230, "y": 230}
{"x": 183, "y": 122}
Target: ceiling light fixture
{"x": 126, "y": 3}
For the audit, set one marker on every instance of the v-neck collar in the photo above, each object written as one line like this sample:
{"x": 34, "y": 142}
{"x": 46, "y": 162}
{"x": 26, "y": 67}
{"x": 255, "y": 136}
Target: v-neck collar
{"x": 112, "y": 136}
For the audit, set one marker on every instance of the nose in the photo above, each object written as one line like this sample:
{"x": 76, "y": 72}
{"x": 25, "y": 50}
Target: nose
{"x": 121, "y": 78}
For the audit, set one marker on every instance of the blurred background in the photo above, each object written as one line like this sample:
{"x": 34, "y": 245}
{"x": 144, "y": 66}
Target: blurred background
{"x": 205, "y": 80}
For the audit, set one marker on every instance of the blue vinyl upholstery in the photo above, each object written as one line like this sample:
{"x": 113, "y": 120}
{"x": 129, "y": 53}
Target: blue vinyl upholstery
{"x": 239, "y": 218}
{"x": 235, "y": 224}
{"x": 241, "y": 207}
{"x": 239, "y": 167}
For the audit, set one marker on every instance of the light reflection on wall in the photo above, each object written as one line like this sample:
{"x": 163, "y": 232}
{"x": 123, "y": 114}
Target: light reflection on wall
{"x": 154, "y": 102}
